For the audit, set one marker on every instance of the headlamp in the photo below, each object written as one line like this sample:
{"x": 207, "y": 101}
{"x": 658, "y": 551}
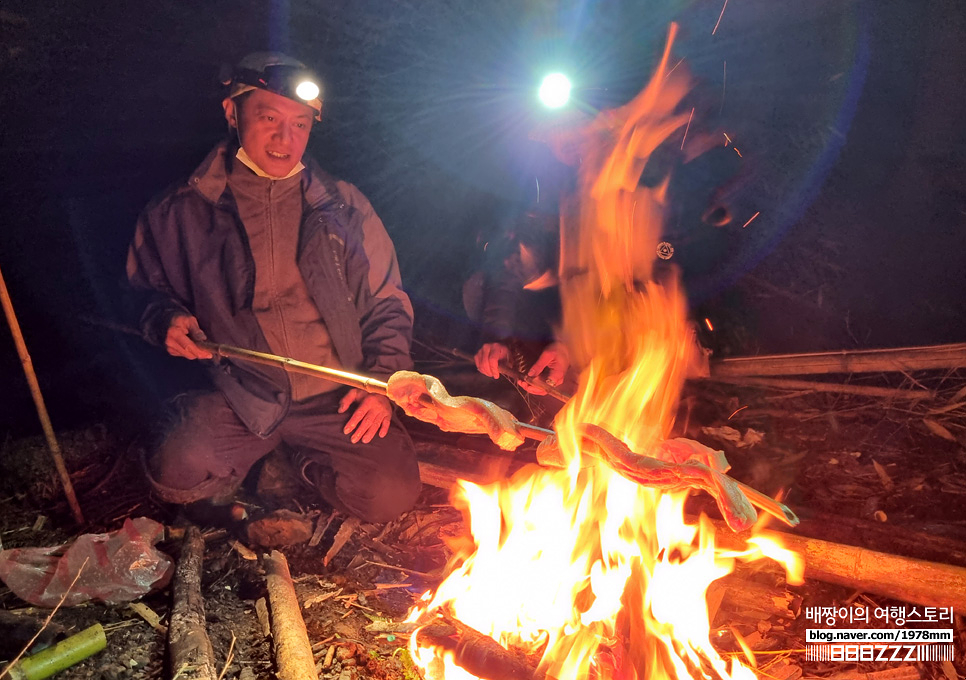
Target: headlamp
{"x": 292, "y": 82}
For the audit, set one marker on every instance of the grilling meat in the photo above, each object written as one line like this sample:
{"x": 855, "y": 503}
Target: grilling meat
{"x": 424, "y": 397}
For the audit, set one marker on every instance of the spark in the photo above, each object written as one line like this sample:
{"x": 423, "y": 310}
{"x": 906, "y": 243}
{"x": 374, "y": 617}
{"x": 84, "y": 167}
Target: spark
{"x": 737, "y": 412}
{"x": 687, "y": 128}
{"x": 673, "y": 67}
{"x": 719, "y": 17}
{"x": 738, "y": 152}
{"x": 752, "y": 219}
{"x": 727, "y": 138}
{"x": 707, "y": 322}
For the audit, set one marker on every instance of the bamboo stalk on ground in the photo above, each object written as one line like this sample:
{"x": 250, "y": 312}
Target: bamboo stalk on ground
{"x": 814, "y": 386}
{"x": 189, "y": 648}
{"x": 899, "y": 359}
{"x": 28, "y": 369}
{"x": 293, "y": 653}
{"x": 61, "y": 656}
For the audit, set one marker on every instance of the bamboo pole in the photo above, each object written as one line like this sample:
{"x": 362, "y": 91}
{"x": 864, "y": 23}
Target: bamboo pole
{"x": 374, "y": 386}
{"x": 28, "y": 369}
{"x": 357, "y": 380}
{"x": 61, "y": 656}
{"x": 814, "y": 386}
{"x": 293, "y": 653}
{"x": 900, "y": 359}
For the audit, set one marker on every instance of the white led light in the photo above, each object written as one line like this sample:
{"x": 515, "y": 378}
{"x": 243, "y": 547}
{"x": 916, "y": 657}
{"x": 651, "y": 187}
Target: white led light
{"x": 307, "y": 90}
{"x": 555, "y": 90}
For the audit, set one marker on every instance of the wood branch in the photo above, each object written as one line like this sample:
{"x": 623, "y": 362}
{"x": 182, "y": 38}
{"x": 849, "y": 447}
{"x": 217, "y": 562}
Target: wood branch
{"x": 475, "y": 652}
{"x": 342, "y": 537}
{"x": 752, "y": 600}
{"x": 293, "y": 653}
{"x": 900, "y": 359}
{"x": 189, "y": 648}
{"x": 814, "y": 386}
{"x": 910, "y": 541}
{"x": 902, "y": 578}
{"x": 28, "y": 369}
{"x": 444, "y": 477}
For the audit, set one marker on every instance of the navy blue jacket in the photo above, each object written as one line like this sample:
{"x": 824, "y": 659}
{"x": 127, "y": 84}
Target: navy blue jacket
{"x": 190, "y": 255}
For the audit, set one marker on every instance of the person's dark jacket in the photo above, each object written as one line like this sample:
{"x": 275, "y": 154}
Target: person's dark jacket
{"x": 190, "y": 255}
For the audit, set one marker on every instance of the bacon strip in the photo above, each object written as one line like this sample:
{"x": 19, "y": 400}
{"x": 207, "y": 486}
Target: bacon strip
{"x": 735, "y": 507}
{"x": 424, "y": 397}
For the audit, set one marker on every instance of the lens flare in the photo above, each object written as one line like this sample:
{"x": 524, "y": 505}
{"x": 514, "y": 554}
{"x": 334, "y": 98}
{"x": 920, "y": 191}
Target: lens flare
{"x": 555, "y": 90}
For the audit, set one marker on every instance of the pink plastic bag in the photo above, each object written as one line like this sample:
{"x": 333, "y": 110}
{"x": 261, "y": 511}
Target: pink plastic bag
{"x": 121, "y": 566}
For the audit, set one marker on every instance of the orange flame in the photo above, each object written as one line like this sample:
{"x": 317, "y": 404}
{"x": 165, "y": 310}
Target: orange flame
{"x": 590, "y": 574}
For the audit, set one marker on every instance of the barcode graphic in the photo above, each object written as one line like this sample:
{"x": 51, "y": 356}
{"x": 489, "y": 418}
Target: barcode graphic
{"x": 879, "y": 652}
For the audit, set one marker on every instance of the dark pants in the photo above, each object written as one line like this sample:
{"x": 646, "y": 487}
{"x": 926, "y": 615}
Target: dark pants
{"x": 207, "y": 452}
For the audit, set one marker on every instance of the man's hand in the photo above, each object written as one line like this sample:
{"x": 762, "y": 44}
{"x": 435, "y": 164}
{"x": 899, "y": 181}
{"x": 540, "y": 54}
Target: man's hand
{"x": 556, "y": 360}
{"x": 182, "y": 332}
{"x": 370, "y": 418}
{"x": 489, "y": 357}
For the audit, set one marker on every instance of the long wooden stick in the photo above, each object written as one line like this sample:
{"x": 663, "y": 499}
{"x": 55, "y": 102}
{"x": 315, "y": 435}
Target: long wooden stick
{"x": 28, "y": 369}
{"x": 293, "y": 653}
{"x": 189, "y": 647}
{"x": 900, "y": 359}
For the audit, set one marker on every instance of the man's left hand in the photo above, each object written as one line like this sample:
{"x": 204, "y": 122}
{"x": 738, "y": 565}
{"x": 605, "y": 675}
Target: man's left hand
{"x": 371, "y": 417}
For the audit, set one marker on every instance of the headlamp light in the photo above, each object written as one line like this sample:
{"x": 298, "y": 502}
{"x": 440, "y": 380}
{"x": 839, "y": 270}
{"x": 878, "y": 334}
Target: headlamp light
{"x": 292, "y": 82}
{"x": 555, "y": 90}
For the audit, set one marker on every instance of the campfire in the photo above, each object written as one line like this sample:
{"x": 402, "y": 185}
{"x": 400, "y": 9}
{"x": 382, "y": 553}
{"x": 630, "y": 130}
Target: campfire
{"x": 581, "y": 570}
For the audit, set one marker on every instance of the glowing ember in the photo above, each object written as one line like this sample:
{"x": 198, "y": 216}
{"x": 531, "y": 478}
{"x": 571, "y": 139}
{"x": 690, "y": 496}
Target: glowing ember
{"x": 584, "y": 572}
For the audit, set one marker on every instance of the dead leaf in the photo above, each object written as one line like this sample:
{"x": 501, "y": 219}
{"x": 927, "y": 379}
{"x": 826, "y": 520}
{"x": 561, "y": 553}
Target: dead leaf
{"x": 949, "y": 670}
{"x": 149, "y": 615}
{"x": 883, "y": 475}
{"x": 960, "y": 394}
{"x": 938, "y": 429}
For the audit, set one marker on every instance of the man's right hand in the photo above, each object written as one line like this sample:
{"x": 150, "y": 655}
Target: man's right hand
{"x": 489, "y": 357}
{"x": 182, "y": 333}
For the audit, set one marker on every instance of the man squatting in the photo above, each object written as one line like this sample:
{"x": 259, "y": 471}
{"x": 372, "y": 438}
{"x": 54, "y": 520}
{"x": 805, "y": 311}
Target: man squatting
{"x": 262, "y": 249}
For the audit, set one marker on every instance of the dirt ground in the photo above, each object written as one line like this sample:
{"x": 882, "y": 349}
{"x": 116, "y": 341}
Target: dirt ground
{"x": 887, "y": 474}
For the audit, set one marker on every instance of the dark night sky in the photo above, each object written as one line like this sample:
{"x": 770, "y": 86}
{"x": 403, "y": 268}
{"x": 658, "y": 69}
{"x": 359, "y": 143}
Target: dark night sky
{"x": 848, "y": 115}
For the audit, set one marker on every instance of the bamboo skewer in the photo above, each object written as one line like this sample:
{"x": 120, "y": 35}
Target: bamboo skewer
{"x": 758, "y": 499}
{"x": 357, "y": 380}
{"x": 514, "y": 375}
{"x": 28, "y": 369}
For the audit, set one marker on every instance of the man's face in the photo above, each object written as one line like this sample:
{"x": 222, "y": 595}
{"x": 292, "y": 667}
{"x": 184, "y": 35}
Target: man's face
{"x": 274, "y": 130}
